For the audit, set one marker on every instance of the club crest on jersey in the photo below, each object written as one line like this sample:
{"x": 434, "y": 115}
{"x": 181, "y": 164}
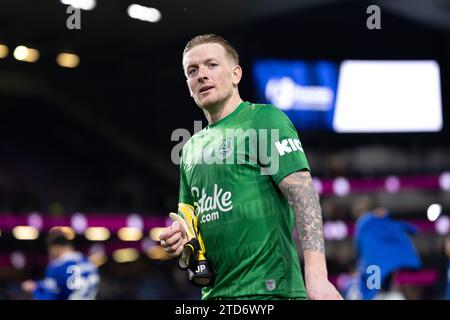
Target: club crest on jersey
{"x": 225, "y": 148}
{"x": 271, "y": 284}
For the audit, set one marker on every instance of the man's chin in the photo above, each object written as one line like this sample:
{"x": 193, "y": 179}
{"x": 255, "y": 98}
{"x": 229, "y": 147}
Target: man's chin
{"x": 207, "y": 104}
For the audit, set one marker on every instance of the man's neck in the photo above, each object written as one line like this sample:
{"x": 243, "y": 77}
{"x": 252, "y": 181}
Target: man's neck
{"x": 217, "y": 113}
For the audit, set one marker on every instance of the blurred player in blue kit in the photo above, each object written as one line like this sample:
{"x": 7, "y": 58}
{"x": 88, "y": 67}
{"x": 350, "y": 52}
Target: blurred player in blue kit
{"x": 386, "y": 244}
{"x": 68, "y": 276}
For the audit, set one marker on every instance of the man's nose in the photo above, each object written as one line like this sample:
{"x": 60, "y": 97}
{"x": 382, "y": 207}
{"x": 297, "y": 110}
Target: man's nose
{"x": 202, "y": 74}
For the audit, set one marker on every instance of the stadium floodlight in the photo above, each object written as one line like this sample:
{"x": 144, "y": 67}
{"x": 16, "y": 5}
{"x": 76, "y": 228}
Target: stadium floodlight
{"x": 67, "y": 60}
{"x": 155, "y": 232}
{"x": 135, "y": 221}
{"x": 142, "y": 13}
{"x": 25, "y": 233}
{"x": 157, "y": 253}
{"x": 18, "y": 260}
{"x": 129, "y": 234}
{"x": 125, "y": 255}
{"x": 4, "y": 51}
{"x": 23, "y": 53}
{"x": 81, "y": 4}
{"x": 392, "y": 184}
{"x": 444, "y": 181}
{"x": 434, "y": 211}
{"x": 317, "y": 183}
{"x": 97, "y": 234}
{"x": 79, "y": 222}
{"x": 442, "y": 225}
{"x": 35, "y": 220}
{"x": 341, "y": 186}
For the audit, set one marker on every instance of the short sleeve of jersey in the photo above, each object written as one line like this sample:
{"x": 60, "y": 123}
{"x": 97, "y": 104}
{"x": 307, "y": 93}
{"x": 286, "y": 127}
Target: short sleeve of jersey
{"x": 184, "y": 192}
{"x": 285, "y": 154}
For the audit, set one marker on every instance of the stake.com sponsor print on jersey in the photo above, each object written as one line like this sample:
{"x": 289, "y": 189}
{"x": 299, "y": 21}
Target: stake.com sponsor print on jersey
{"x": 210, "y": 205}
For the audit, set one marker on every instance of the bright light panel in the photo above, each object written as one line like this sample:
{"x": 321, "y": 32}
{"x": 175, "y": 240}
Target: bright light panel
{"x": 388, "y": 96}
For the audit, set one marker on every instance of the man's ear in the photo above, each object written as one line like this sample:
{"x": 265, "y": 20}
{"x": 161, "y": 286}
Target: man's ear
{"x": 237, "y": 75}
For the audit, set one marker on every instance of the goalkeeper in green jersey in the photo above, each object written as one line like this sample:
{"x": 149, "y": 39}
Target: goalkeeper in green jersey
{"x": 246, "y": 180}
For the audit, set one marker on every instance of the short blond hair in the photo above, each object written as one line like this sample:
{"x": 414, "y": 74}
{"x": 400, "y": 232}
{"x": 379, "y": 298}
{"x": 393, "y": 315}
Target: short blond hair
{"x": 212, "y": 38}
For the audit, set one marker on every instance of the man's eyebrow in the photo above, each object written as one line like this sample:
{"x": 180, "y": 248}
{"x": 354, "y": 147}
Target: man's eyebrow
{"x": 195, "y": 64}
{"x": 191, "y": 65}
{"x": 209, "y": 60}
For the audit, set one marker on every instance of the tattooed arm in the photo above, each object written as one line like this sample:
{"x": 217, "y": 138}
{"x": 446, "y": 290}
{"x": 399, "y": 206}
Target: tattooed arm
{"x": 299, "y": 191}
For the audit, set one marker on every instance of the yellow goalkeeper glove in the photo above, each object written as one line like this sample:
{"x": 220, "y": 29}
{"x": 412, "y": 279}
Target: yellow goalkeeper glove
{"x": 193, "y": 257}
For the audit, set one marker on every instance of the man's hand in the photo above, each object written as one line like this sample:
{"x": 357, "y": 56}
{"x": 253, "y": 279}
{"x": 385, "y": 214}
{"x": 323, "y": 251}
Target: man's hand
{"x": 319, "y": 288}
{"x": 28, "y": 286}
{"x": 173, "y": 239}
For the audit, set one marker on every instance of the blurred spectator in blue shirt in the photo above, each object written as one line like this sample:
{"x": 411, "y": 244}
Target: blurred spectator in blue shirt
{"x": 69, "y": 275}
{"x": 383, "y": 247}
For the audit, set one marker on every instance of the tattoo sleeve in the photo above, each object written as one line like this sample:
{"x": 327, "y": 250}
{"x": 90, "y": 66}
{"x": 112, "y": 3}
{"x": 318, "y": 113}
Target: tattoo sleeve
{"x": 299, "y": 191}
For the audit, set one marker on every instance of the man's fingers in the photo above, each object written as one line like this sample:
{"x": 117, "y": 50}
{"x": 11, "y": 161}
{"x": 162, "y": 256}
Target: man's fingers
{"x": 174, "y": 243}
{"x": 175, "y": 249}
{"x": 173, "y": 239}
{"x": 176, "y": 226}
{"x": 167, "y": 248}
{"x": 181, "y": 244}
{"x": 167, "y": 233}
{"x": 178, "y": 251}
{"x": 170, "y": 231}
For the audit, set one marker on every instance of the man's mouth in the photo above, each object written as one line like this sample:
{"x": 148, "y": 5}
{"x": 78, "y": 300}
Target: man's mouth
{"x": 205, "y": 88}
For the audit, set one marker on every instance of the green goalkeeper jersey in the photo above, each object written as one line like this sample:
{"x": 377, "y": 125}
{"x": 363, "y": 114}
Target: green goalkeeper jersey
{"x": 229, "y": 172}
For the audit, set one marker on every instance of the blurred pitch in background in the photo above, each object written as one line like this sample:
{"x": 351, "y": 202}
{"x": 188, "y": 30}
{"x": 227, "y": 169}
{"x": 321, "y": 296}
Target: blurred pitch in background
{"x": 87, "y": 115}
